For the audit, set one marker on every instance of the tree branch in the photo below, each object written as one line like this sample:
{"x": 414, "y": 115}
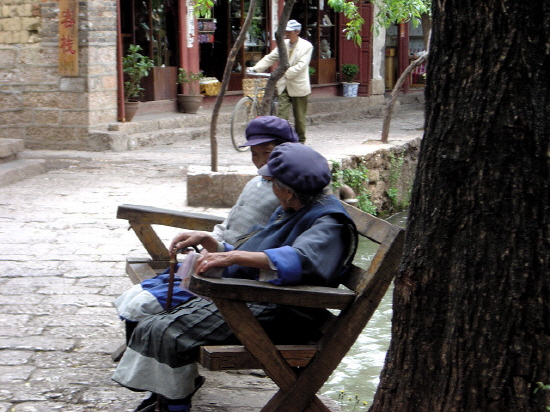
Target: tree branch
{"x": 225, "y": 82}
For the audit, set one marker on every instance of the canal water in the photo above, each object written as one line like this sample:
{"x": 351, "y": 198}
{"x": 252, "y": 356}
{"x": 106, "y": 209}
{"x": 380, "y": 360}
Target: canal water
{"x": 355, "y": 381}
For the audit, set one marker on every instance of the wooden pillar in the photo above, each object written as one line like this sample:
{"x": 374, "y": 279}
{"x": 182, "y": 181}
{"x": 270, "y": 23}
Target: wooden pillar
{"x": 403, "y": 53}
{"x": 188, "y": 39}
{"x": 120, "y": 75}
{"x": 365, "y": 63}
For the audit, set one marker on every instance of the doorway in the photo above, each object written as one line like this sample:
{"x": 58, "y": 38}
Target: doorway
{"x": 153, "y": 25}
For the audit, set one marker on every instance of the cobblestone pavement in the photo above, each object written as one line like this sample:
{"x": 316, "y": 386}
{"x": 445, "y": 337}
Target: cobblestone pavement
{"x": 62, "y": 254}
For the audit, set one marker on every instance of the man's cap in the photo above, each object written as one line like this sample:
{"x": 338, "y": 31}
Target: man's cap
{"x": 293, "y": 25}
{"x": 298, "y": 166}
{"x": 269, "y": 129}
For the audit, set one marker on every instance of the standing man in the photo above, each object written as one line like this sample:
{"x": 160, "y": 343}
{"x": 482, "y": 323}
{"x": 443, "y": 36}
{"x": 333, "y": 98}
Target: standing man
{"x": 294, "y": 87}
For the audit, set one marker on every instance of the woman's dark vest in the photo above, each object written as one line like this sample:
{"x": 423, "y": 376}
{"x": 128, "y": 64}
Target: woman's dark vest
{"x": 284, "y": 232}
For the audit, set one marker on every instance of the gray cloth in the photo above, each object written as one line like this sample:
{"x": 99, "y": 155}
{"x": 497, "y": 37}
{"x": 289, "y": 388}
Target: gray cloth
{"x": 254, "y": 207}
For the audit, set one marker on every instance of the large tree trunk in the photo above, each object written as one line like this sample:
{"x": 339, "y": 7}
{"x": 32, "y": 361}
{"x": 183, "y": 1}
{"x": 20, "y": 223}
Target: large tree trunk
{"x": 471, "y": 325}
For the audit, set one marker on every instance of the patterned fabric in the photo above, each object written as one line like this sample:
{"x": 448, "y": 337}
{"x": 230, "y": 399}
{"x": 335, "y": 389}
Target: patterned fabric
{"x": 149, "y": 297}
{"x": 253, "y": 208}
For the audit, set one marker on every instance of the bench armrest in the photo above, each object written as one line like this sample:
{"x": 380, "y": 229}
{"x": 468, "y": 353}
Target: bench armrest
{"x": 141, "y": 219}
{"x": 256, "y": 291}
{"x": 157, "y": 216}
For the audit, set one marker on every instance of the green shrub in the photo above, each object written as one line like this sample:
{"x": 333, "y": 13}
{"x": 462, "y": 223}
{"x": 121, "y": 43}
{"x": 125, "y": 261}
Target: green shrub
{"x": 136, "y": 66}
{"x": 355, "y": 178}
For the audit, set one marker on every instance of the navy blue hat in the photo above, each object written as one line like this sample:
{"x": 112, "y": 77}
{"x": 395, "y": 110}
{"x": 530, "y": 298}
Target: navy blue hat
{"x": 267, "y": 129}
{"x": 298, "y": 166}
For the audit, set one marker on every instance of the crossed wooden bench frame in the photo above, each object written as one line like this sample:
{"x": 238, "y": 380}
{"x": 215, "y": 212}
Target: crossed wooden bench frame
{"x": 298, "y": 370}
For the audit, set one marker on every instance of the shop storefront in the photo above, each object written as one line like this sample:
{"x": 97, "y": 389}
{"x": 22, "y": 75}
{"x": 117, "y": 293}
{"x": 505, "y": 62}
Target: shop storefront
{"x": 172, "y": 39}
{"x": 404, "y": 44}
{"x": 63, "y": 59}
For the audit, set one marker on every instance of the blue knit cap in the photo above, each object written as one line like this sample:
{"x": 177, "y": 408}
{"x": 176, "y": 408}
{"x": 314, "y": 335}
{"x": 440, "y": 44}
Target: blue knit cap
{"x": 268, "y": 129}
{"x": 298, "y": 166}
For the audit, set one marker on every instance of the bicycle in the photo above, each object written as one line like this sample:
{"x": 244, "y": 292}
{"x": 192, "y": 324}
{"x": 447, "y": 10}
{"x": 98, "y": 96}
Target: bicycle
{"x": 247, "y": 109}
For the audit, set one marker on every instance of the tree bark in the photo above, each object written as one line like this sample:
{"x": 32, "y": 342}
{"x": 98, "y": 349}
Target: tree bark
{"x": 471, "y": 324}
{"x": 426, "y": 29}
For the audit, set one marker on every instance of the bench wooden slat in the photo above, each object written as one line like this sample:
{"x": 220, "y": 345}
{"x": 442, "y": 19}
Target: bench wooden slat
{"x": 373, "y": 228}
{"x": 139, "y": 270}
{"x": 166, "y": 217}
{"x": 234, "y": 357}
{"x": 256, "y": 291}
{"x": 150, "y": 240}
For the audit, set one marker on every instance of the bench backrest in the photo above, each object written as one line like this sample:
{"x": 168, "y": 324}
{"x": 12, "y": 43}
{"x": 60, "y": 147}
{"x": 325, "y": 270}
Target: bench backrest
{"x": 390, "y": 238}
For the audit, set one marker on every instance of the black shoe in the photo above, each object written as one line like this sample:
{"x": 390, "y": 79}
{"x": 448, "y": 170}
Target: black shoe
{"x": 148, "y": 405}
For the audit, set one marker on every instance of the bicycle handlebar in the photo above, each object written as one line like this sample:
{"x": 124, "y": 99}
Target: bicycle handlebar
{"x": 258, "y": 74}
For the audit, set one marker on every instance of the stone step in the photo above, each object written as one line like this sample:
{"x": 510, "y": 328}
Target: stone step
{"x": 124, "y": 140}
{"x": 171, "y": 127}
{"x": 19, "y": 169}
{"x": 9, "y": 149}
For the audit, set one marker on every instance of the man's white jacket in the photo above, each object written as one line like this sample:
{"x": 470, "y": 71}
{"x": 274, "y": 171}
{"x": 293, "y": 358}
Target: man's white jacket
{"x": 296, "y": 78}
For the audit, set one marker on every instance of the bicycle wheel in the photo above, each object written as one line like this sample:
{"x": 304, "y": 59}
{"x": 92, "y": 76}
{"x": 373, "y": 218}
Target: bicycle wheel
{"x": 243, "y": 113}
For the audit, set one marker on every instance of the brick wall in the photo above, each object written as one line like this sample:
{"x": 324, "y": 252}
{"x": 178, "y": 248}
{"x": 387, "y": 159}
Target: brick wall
{"x": 45, "y": 109}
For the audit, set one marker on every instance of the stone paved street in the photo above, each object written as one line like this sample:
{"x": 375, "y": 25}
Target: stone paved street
{"x": 62, "y": 254}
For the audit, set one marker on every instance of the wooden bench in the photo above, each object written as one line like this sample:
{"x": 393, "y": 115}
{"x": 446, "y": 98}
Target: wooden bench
{"x": 298, "y": 370}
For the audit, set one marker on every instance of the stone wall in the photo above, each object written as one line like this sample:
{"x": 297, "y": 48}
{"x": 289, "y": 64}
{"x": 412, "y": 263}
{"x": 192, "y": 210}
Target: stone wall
{"x": 38, "y": 105}
{"x": 394, "y": 167}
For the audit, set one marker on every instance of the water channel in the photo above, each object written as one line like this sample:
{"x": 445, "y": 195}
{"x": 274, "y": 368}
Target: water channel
{"x": 355, "y": 381}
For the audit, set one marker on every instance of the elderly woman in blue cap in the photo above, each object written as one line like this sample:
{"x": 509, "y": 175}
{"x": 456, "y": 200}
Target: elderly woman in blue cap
{"x": 309, "y": 240}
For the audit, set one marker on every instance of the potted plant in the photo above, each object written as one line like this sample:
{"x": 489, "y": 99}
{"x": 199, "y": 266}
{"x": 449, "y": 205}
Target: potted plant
{"x": 190, "y": 100}
{"x": 349, "y": 71}
{"x": 135, "y": 66}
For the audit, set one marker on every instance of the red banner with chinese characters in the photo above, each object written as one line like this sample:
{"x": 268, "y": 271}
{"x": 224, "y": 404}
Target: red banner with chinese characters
{"x": 68, "y": 37}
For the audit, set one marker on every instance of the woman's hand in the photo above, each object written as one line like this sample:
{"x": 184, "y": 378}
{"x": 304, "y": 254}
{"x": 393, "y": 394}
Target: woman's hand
{"x": 210, "y": 260}
{"x": 187, "y": 239}
{"x": 235, "y": 257}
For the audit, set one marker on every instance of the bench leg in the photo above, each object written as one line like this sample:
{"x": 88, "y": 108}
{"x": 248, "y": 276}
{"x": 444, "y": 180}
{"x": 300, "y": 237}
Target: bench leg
{"x": 251, "y": 334}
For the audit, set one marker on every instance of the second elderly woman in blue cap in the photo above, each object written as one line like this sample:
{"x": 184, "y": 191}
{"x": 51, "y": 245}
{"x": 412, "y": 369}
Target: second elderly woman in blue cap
{"x": 309, "y": 240}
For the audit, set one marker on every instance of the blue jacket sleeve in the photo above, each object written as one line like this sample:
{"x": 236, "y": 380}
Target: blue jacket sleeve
{"x": 287, "y": 262}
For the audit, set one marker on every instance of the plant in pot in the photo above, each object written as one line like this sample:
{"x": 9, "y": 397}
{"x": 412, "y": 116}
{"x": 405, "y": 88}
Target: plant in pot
{"x": 135, "y": 66}
{"x": 191, "y": 99}
{"x": 349, "y": 71}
